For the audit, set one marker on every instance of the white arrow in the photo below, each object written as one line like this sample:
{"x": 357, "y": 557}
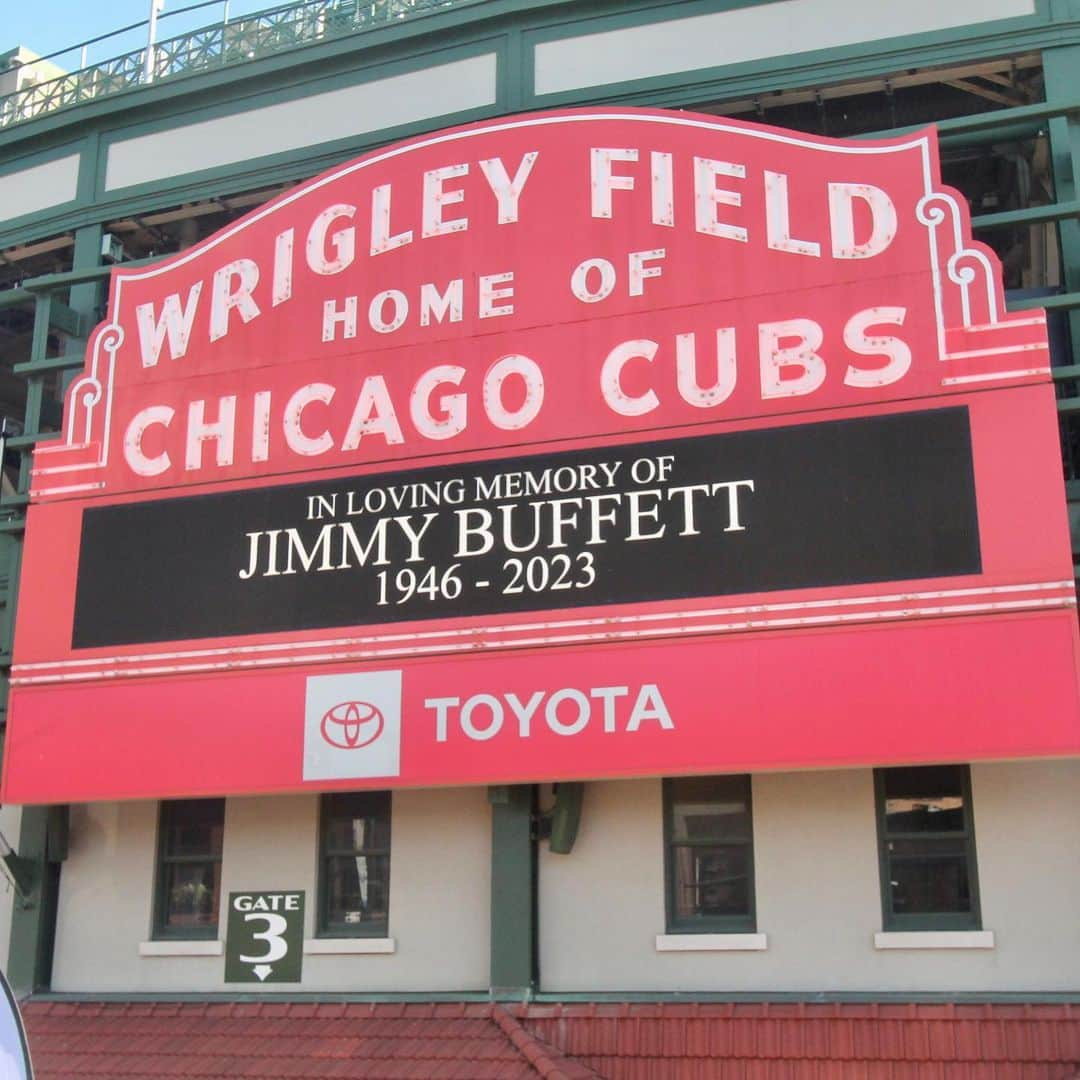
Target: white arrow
{"x": 261, "y": 971}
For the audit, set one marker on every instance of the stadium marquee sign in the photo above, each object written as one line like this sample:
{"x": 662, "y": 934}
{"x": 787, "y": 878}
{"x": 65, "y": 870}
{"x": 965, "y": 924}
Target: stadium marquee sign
{"x": 549, "y": 427}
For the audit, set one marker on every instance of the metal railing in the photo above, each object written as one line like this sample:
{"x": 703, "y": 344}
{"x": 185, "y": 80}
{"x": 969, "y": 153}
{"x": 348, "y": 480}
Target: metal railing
{"x": 222, "y": 44}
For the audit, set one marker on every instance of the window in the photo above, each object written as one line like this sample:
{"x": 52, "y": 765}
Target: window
{"x": 709, "y": 851}
{"x": 188, "y": 892}
{"x": 354, "y": 870}
{"x": 926, "y": 840}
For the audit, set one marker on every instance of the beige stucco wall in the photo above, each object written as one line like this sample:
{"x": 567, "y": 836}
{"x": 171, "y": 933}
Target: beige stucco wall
{"x": 439, "y": 895}
{"x": 817, "y": 892}
{"x": 602, "y": 906}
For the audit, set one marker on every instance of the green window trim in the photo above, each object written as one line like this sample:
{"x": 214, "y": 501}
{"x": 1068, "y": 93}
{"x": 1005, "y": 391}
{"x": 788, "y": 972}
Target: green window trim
{"x": 745, "y": 922}
{"x": 943, "y": 920}
{"x": 379, "y": 806}
{"x": 170, "y": 813}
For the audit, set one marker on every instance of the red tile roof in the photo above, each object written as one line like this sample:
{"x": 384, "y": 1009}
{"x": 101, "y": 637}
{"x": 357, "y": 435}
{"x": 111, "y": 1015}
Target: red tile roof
{"x": 458, "y": 1041}
{"x": 259, "y": 1041}
{"x": 805, "y": 1041}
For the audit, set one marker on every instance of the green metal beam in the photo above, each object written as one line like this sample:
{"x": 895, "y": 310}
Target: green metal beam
{"x": 49, "y": 363}
{"x": 33, "y": 917}
{"x": 1063, "y": 302}
{"x": 1060, "y": 66}
{"x": 513, "y": 892}
{"x": 1034, "y": 215}
{"x": 65, "y": 319}
{"x": 984, "y": 136}
{"x": 33, "y": 921}
{"x": 81, "y": 275}
{"x": 1027, "y": 117}
{"x": 1043, "y": 111}
{"x": 15, "y": 297}
{"x": 30, "y": 439}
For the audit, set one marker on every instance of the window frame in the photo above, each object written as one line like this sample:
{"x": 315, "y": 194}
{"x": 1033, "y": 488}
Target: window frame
{"x": 161, "y": 931}
{"x": 707, "y": 924}
{"x": 944, "y": 920}
{"x": 372, "y": 928}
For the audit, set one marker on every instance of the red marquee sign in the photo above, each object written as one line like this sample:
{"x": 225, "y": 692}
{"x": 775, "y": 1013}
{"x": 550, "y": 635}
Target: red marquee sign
{"x": 578, "y": 444}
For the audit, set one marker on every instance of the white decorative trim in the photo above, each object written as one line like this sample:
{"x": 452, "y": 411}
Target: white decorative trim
{"x": 736, "y": 619}
{"x": 1034, "y": 320}
{"x": 1001, "y": 350}
{"x": 181, "y": 948}
{"x": 967, "y": 276}
{"x": 76, "y": 487}
{"x": 935, "y": 939}
{"x": 711, "y": 942}
{"x": 995, "y": 376}
{"x": 357, "y": 946}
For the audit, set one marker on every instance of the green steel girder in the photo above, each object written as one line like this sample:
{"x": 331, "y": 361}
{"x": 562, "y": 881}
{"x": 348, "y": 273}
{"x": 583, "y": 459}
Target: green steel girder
{"x": 514, "y": 972}
{"x": 33, "y": 922}
{"x": 1033, "y": 215}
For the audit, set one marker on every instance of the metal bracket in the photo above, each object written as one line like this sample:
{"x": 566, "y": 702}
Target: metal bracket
{"x": 20, "y": 871}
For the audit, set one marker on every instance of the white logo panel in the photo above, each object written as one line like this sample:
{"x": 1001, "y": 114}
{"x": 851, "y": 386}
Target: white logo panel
{"x": 352, "y": 726}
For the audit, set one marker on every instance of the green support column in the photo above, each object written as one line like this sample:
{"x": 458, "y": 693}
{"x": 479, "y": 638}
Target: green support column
{"x": 513, "y": 892}
{"x": 33, "y": 919}
{"x": 84, "y": 299}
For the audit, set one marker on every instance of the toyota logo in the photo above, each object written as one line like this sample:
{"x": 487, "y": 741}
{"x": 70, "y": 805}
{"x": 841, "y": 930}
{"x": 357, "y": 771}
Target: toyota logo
{"x": 352, "y": 724}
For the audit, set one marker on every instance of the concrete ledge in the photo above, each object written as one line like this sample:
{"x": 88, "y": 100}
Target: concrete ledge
{"x": 711, "y": 942}
{"x": 372, "y": 946}
{"x": 935, "y": 939}
{"x": 181, "y": 948}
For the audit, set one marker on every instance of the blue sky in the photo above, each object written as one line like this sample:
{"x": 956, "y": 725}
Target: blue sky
{"x": 48, "y": 25}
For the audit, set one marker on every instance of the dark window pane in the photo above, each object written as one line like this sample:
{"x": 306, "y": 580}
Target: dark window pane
{"x": 189, "y": 870}
{"x": 921, "y": 780}
{"x": 924, "y": 799}
{"x": 356, "y": 861}
{"x": 932, "y": 884}
{"x": 357, "y": 822}
{"x": 944, "y": 814}
{"x": 357, "y": 834}
{"x": 711, "y": 881}
{"x": 193, "y": 827}
{"x": 357, "y": 889}
{"x": 710, "y": 809}
{"x": 928, "y": 855}
{"x": 191, "y": 895}
{"x": 927, "y": 848}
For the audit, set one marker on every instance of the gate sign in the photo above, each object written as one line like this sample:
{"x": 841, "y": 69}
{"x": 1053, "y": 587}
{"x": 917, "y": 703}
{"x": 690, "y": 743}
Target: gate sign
{"x": 570, "y": 445}
{"x": 265, "y": 937}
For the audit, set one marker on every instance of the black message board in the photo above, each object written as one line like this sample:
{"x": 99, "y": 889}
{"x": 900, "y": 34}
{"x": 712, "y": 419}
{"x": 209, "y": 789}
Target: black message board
{"x": 884, "y": 498}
